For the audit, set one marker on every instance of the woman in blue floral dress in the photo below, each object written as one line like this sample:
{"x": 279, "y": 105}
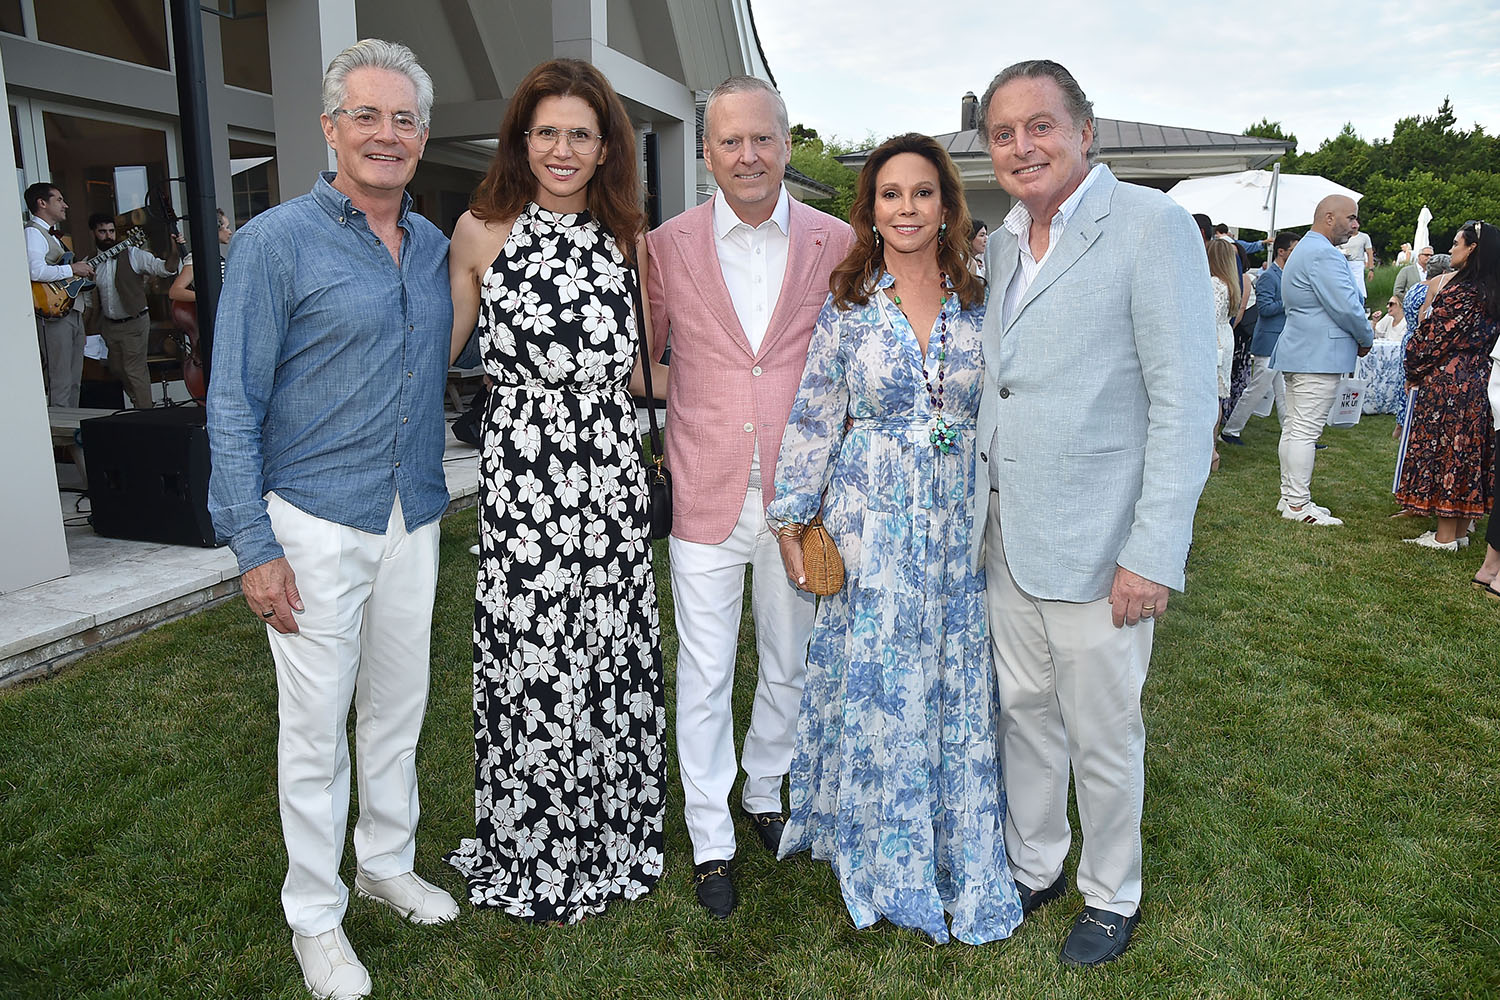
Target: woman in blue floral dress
{"x": 895, "y": 779}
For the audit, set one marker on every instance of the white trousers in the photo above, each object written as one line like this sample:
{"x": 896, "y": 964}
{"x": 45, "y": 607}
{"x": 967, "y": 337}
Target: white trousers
{"x": 1262, "y": 379}
{"x": 1309, "y": 397}
{"x": 365, "y": 636}
{"x": 708, "y": 590}
{"x": 1070, "y": 697}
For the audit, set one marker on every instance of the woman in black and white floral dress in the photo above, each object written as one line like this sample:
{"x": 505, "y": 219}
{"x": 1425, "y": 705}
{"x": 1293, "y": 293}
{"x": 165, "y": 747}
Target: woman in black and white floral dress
{"x": 568, "y": 709}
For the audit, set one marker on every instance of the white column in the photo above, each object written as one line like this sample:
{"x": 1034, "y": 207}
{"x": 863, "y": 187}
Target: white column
{"x": 31, "y": 531}
{"x": 677, "y": 151}
{"x": 305, "y": 35}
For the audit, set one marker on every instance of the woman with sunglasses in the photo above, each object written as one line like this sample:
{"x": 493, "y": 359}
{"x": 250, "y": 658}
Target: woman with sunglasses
{"x": 1449, "y": 449}
{"x": 569, "y": 719}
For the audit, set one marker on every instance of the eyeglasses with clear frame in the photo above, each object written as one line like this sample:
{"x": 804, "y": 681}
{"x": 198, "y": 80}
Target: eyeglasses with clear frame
{"x": 544, "y": 139}
{"x": 367, "y": 121}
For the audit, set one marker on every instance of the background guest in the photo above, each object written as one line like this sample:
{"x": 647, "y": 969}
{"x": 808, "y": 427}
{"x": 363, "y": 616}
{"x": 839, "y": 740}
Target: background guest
{"x": 1411, "y": 273}
{"x": 978, "y": 239}
{"x": 1228, "y": 307}
{"x": 1270, "y": 318}
{"x": 1489, "y": 570}
{"x": 1448, "y": 448}
{"x": 1435, "y": 266}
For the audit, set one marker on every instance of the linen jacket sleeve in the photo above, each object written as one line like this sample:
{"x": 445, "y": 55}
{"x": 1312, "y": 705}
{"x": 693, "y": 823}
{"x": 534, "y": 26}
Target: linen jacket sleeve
{"x": 1176, "y": 342}
{"x": 254, "y": 312}
{"x": 1268, "y": 294}
{"x": 815, "y": 429}
{"x": 1339, "y": 296}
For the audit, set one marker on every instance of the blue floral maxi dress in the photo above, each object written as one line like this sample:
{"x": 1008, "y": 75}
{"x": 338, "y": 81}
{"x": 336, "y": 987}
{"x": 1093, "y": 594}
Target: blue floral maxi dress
{"x": 569, "y": 718}
{"x": 895, "y": 778}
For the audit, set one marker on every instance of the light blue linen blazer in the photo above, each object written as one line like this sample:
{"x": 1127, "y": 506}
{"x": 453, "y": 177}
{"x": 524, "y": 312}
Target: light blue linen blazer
{"x": 1100, "y": 397}
{"x": 1325, "y": 311}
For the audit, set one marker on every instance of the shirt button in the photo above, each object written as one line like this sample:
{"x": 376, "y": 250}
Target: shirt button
{"x": 749, "y": 428}
{"x": 983, "y": 457}
{"x": 1004, "y": 393}
{"x": 404, "y": 419}
{"x": 757, "y": 371}
{"x": 408, "y": 375}
{"x": 398, "y": 465}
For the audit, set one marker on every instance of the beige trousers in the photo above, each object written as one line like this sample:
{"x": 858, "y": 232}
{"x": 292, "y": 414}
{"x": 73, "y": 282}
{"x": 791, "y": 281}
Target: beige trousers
{"x": 1070, "y": 701}
{"x": 126, "y": 340}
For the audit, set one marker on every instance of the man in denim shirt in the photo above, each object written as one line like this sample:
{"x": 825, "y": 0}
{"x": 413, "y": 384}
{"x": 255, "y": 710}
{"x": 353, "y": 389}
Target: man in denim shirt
{"x": 326, "y": 423}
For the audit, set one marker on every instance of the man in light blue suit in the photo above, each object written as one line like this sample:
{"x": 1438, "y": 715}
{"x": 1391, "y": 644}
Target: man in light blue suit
{"x": 1326, "y": 330}
{"x": 1095, "y": 433}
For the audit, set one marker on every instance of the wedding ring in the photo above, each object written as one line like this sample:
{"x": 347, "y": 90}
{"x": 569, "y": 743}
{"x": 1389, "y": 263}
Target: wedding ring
{"x": 268, "y": 614}
{"x": 1148, "y": 607}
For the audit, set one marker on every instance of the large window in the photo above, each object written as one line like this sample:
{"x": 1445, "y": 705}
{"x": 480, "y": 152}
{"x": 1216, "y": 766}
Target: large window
{"x": 255, "y": 186}
{"x": 10, "y": 17}
{"x": 246, "y": 47}
{"x": 132, "y": 30}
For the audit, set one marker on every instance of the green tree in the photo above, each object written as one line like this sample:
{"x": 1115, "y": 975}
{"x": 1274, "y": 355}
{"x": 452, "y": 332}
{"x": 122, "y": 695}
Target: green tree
{"x": 1267, "y": 129}
{"x": 816, "y": 158}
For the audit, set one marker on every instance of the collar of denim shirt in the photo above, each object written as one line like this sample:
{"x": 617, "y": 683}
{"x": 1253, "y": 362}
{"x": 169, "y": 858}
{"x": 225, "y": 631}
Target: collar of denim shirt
{"x": 337, "y": 204}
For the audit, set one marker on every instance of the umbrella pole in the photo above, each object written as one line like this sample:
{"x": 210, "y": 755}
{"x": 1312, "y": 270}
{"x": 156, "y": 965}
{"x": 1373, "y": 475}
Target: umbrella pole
{"x": 1275, "y": 183}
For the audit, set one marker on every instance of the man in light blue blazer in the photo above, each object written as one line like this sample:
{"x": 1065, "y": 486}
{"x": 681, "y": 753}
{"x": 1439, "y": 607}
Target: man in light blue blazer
{"x": 1095, "y": 433}
{"x": 1326, "y": 330}
{"x": 1268, "y": 325}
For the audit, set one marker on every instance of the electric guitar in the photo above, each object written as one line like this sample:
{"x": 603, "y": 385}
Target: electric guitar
{"x": 53, "y": 299}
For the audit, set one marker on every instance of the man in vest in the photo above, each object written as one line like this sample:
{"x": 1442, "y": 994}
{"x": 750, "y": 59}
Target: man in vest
{"x": 736, "y": 285}
{"x": 124, "y": 319}
{"x": 59, "y": 339}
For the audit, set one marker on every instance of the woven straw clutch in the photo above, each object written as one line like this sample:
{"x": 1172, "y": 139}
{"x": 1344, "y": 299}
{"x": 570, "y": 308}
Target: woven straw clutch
{"x": 821, "y": 563}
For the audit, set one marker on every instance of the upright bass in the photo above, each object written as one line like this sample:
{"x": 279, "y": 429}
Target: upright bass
{"x": 185, "y": 319}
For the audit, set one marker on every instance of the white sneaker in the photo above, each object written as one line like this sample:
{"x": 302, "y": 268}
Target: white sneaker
{"x": 410, "y": 895}
{"x": 1310, "y": 513}
{"x": 330, "y": 969}
{"x": 474, "y": 549}
{"x": 1463, "y": 541}
{"x": 1428, "y": 540}
{"x": 1281, "y": 506}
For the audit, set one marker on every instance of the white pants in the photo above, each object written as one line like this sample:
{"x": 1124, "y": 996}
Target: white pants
{"x": 708, "y": 588}
{"x": 1262, "y": 378}
{"x": 1070, "y": 696}
{"x": 365, "y": 636}
{"x": 1309, "y": 397}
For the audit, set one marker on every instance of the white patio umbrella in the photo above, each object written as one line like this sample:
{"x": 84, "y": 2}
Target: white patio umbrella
{"x": 1267, "y": 200}
{"x": 1421, "y": 239}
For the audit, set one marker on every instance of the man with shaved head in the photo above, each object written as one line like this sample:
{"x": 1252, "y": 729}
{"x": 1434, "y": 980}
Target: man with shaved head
{"x": 1326, "y": 330}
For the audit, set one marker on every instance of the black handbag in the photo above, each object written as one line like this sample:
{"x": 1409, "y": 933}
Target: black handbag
{"x": 658, "y": 476}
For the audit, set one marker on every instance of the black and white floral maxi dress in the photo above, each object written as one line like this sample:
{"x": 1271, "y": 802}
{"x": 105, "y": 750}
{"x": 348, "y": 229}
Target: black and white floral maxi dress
{"x": 569, "y": 716}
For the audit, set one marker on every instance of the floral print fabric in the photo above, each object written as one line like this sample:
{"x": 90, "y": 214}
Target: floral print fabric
{"x": 895, "y": 778}
{"x": 569, "y": 716}
{"x": 1448, "y": 453}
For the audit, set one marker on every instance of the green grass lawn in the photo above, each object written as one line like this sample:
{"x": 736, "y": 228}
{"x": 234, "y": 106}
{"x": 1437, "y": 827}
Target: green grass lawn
{"x": 1321, "y": 813}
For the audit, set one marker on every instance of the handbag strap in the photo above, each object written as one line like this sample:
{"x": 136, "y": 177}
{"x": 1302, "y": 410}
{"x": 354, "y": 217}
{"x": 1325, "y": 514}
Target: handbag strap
{"x": 640, "y": 329}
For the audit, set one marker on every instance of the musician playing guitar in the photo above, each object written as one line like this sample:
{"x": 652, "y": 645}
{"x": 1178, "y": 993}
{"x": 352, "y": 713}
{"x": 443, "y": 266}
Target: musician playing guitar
{"x": 120, "y": 294}
{"x": 60, "y": 338}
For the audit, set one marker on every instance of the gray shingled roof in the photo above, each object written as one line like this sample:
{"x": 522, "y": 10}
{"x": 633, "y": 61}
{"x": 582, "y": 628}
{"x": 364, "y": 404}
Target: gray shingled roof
{"x": 1115, "y": 136}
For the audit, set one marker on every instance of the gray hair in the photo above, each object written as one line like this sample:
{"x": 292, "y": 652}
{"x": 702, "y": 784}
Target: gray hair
{"x": 1079, "y": 107}
{"x": 376, "y": 53}
{"x": 1438, "y": 263}
{"x": 748, "y": 85}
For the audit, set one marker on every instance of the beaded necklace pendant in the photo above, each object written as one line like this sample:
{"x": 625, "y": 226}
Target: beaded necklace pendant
{"x": 941, "y": 435}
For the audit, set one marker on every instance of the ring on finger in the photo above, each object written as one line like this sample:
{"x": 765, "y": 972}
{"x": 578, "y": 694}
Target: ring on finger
{"x": 268, "y": 614}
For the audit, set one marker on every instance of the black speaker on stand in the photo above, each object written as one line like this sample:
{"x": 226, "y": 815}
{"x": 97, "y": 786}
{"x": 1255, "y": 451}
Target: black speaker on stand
{"x": 148, "y": 475}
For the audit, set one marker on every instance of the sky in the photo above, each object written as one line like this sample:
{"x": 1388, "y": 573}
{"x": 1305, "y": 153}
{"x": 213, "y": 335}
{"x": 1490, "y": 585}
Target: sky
{"x": 853, "y": 67}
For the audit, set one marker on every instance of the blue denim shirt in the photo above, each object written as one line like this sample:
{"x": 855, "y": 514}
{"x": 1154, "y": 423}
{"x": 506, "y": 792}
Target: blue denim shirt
{"x": 329, "y": 365}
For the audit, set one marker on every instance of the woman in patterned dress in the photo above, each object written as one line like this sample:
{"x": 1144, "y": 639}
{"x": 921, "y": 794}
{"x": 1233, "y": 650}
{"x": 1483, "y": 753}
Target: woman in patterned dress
{"x": 1448, "y": 454}
{"x": 894, "y": 777}
{"x": 568, "y": 709}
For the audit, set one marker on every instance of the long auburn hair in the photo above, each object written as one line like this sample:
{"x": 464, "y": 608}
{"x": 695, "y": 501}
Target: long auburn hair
{"x": 1482, "y": 267}
{"x": 614, "y": 192}
{"x": 1221, "y": 264}
{"x": 853, "y": 281}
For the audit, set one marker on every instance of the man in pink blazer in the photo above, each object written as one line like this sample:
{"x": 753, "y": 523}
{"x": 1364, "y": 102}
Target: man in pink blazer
{"x": 736, "y": 285}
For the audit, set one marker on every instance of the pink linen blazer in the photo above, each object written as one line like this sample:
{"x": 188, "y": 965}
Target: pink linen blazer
{"x": 724, "y": 397}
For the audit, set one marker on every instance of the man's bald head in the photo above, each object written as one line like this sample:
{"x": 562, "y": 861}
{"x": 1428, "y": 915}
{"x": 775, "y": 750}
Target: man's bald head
{"x": 1337, "y": 218}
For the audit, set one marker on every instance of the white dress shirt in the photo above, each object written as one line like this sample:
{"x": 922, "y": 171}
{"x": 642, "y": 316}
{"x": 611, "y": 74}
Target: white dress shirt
{"x": 40, "y": 243}
{"x": 104, "y": 277}
{"x": 753, "y": 262}
{"x": 1019, "y": 222}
